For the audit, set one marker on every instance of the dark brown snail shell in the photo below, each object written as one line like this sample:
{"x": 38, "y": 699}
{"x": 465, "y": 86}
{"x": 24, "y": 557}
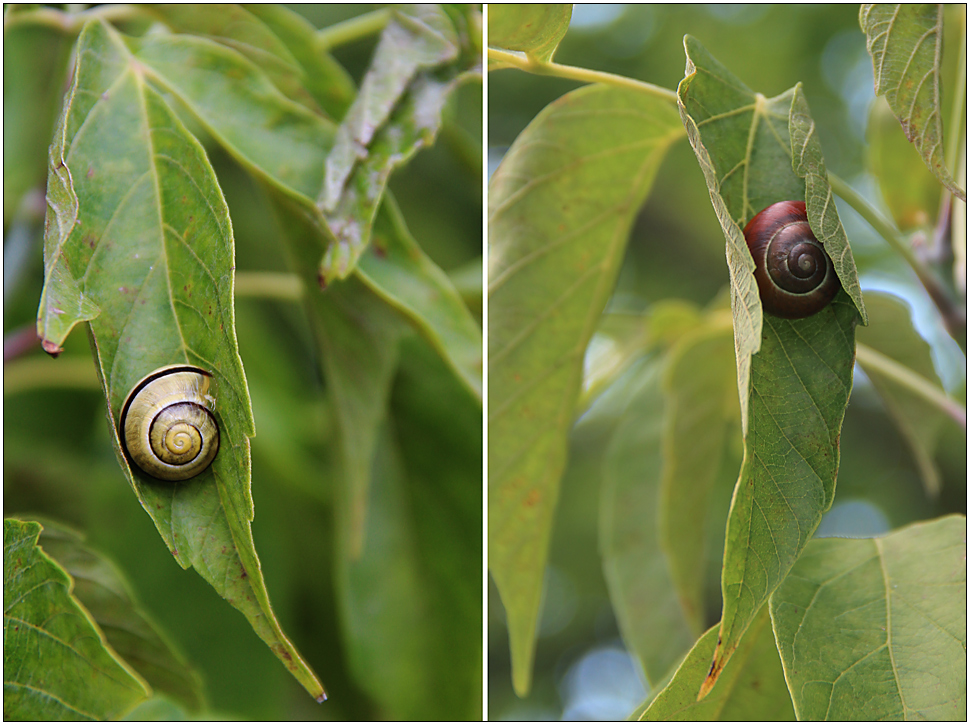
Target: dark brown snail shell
{"x": 795, "y": 275}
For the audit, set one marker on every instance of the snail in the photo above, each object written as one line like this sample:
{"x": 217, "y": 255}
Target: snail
{"x": 795, "y": 274}
{"x": 167, "y": 427}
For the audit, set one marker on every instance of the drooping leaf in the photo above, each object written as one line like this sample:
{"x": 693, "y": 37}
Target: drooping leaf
{"x": 414, "y": 595}
{"x": 700, "y": 421}
{"x": 127, "y": 628}
{"x": 399, "y": 272}
{"x": 637, "y": 572}
{"x": 751, "y": 689}
{"x": 906, "y": 43}
{"x": 535, "y": 29}
{"x": 416, "y": 38}
{"x": 876, "y": 629}
{"x": 56, "y": 662}
{"x": 138, "y": 227}
{"x": 358, "y": 335}
{"x": 560, "y": 208}
{"x": 793, "y": 392}
{"x": 397, "y": 112}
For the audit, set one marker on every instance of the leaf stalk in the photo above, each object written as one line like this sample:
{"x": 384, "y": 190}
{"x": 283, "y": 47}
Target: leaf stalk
{"x": 584, "y": 75}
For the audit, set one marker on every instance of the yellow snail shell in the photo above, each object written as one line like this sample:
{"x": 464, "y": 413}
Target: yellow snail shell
{"x": 167, "y": 428}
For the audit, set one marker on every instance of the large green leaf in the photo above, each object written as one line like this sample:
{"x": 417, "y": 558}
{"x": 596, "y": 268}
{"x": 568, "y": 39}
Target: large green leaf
{"x": 700, "y": 423}
{"x": 876, "y": 629}
{"x": 399, "y": 272}
{"x": 753, "y": 152}
{"x": 533, "y": 28}
{"x": 411, "y": 602}
{"x": 273, "y": 38}
{"x": 751, "y": 689}
{"x": 139, "y": 241}
{"x": 648, "y": 610}
{"x": 906, "y": 44}
{"x": 56, "y": 662}
{"x": 128, "y": 629}
{"x": 560, "y": 209}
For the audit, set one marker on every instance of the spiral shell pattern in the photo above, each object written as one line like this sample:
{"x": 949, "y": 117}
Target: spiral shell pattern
{"x": 167, "y": 426}
{"x": 794, "y": 273}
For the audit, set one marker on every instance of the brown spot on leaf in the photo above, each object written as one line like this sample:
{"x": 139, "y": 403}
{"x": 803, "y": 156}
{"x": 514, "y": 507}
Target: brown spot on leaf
{"x": 533, "y": 497}
{"x": 90, "y": 172}
{"x": 51, "y": 348}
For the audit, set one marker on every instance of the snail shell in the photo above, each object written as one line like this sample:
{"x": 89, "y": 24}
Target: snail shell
{"x": 167, "y": 428}
{"x": 794, "y": 273}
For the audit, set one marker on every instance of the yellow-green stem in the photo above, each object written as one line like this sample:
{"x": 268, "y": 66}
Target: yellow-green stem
{"x": 584, "y": 75}
{"x": 273, "y": 285}
{"x": 354, "y": 29}
{"x": 36, "y": 372}
{"x": 875, "y": 361}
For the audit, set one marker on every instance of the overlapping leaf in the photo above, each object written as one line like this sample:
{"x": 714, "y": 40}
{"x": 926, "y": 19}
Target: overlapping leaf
{"x": 56, "y": 662}
{"x": 876, "y": 629}
{"x": 533, "y": 28}
{"x": 138, "y": 227}
{"x": 906, "y": 44}
{"x": 752, "y": 687}
{"x": 127, "y": 628}
{"x": 794, "y": 391}
{"x": 397, "y": 111}
{"x": 646, "y": 604}
{"x": 274, "y": 38}
{"x": 560, "y": 208}
{"x": 700, "y": 426}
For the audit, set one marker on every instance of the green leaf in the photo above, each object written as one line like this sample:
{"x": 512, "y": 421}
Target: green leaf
{"x": 128, "y": 629}
{"x": 823, "y": 216}
{"x": 534, "y": 29}
{"x": 876, "y": 629}
{"x": 892, "y": 334}
{"x": 906, "y": 44}
{"x": 414, "y": 595}
{"x": 752, "y": 687}
{"x": 323, "y": 76}
{"x": 648, "y": 610}
{"x": 558, "y": 226}
{"x": 406, "y": 278}
{"x": 794, "y": 391}
{"x": 397, "y": 111}
{"x": 263, "y": 34}
{"x": 31, "y": 93}
{"x": 700, "y": 422}
{"x": 910, "y": 192}
{"x": 56, "y": 662}
{"x": 151, "y": 246}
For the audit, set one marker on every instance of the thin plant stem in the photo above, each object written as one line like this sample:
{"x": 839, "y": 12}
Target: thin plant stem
{"x": 353, "y": 29}
{"x": 41, "y": 372}
{"x": 874, "y": 361}
{"x": 959, "y": 97}
{"x": 584, "y": 75}
{"x": 69, "y": 22}
{"x": 272, "y": 285}
{"x": 954, "y": 317}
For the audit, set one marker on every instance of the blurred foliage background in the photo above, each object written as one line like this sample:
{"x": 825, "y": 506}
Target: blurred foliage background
{"x": 676, "y": 249}
{"x": 58, "y": 458}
